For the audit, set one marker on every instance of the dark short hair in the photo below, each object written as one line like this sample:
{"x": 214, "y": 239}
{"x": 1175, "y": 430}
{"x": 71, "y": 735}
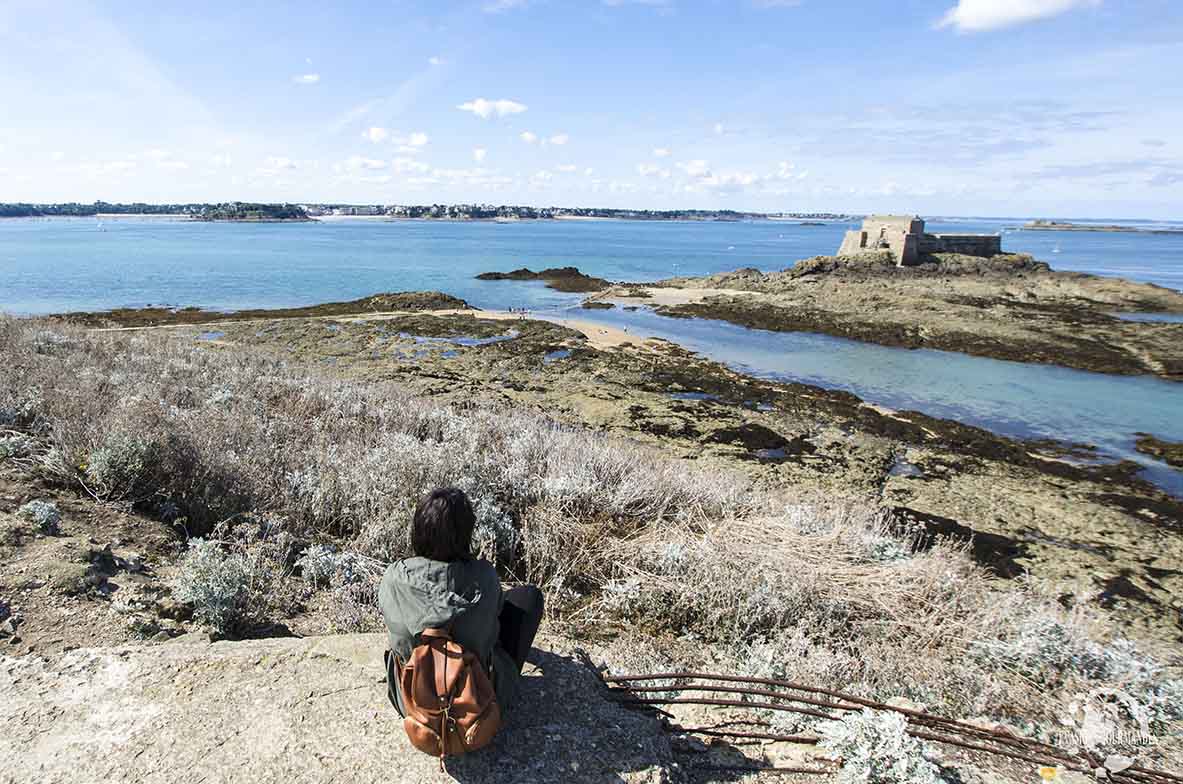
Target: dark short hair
{"x": 442, "y": 527}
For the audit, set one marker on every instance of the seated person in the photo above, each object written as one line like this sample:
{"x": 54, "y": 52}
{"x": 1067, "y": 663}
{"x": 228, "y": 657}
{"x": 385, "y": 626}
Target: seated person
{"x": 443, "y": 586}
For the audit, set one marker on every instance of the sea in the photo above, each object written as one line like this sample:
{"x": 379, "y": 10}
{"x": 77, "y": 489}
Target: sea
{"x": 61, "y": 264}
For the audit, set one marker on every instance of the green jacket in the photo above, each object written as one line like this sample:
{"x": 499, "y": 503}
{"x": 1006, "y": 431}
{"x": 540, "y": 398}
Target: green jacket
{"x": 418, "y": 593}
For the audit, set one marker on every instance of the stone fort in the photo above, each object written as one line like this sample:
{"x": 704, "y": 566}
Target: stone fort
{"x": 905, "y": 238}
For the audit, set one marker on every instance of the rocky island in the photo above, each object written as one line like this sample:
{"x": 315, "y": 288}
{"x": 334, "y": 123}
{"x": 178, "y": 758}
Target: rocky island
{"x": 567, "y": 279}
{"x": 1008, "y": 306}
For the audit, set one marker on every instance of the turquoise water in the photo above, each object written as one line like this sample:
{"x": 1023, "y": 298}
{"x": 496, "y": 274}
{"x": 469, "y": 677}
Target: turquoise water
{"x": 1012, "y": 398}
{"x": 58, "y": 265}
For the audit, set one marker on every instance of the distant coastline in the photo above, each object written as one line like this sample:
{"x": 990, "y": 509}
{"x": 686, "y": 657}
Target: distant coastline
{"x": 1045, "y": 225}
{"x": 247, "y": 212}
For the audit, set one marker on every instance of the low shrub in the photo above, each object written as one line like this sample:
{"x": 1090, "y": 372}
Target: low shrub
{"x": 355, "y": 603}
{"x": 322, "y": 564}
{"x": 874, "y": 747}
{"x": 123, "y": 467}
{"x": 45, "y": 514}
{"x": 16, "y": 445}
{"x": 230, "y": 588}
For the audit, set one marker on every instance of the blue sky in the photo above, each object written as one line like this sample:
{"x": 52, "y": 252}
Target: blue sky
{"x": 983, "y": 107}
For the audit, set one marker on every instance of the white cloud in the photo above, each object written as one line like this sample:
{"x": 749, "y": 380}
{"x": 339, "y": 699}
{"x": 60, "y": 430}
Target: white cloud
{"x": 528, "y": 137}
{"x": 358, "y": 163}
{"x": 158, "y": 154}
{"x": 417, "y": 139}
{"x": 566, "y": 168}
{"x": 479, "y": 153}
{"x": 661, "y": 152}
{"x": 974, "y": 16}
{"x": 542, "y": 176}
{"x": 376, "y": 134}
{"x": 53, "y": 156}
{"x": 484, "y": 108}
{"x": 652, "y": 170}
{"x": 589, "y": 171}
{"x": 560, "y": 139}
{"x": 405, "y": 165}
{"x": 174, "y": 165}
{"x": 220, "y": 160}
{"x": 696, "y": 168}
{"x": 730, "y": 180}
{"x": 719, "y": 129}
{"x": 436, "y": 60}
{"x": 311, "y": 78}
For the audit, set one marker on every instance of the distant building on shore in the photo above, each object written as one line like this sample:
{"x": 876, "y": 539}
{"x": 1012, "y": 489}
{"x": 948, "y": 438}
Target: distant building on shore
{"x": 905, "y": 238}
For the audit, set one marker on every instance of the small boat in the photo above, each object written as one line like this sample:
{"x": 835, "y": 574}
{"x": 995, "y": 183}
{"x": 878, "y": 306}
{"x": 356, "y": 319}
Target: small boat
{"x": 1056, "y": 249}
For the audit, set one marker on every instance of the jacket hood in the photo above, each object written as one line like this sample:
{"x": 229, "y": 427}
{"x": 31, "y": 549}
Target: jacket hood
{"x": 432, "y": 594}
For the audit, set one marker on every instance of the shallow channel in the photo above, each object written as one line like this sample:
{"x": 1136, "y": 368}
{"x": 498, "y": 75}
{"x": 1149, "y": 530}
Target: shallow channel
{"x": 1011, "y": 398}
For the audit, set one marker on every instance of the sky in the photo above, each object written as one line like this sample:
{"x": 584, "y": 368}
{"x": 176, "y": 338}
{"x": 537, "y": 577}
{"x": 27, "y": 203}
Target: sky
{"x": 1067, "y": 108}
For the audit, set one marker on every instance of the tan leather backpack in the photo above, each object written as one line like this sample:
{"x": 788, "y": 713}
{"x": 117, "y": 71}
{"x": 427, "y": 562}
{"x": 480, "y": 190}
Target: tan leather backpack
{"x": 450, "y": 703}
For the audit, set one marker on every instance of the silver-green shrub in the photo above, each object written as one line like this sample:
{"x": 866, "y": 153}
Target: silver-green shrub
{"x": 322, "y": 564}
{"x": 221, "y": 584}
{"x": 45, "y": 514}
{"x": 1043, "y": 649}
{"x": 16, "y": 445}
{"x": 875, "y": 748}
{"x": 122, "y": 467}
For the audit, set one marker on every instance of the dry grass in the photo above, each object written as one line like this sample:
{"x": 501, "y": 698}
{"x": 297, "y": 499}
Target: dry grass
{"x": 619, "y": 536}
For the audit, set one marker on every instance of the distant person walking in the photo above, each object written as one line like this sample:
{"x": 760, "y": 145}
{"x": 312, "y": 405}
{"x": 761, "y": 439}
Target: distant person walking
{"x": 444, "y": 588}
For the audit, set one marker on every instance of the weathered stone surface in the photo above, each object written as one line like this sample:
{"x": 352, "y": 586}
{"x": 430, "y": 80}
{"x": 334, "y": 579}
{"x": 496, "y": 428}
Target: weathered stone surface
{"x": 307, "y": 710}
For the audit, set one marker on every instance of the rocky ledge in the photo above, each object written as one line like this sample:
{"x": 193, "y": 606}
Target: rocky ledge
{"x": 159, "y": 315}
{"x": 1170, "y": 452}
{"x": 297, "y": 709}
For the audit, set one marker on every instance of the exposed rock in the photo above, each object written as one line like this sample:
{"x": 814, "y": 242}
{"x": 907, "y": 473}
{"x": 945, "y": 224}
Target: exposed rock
{"x": 1169, "y": 452}
{"x": 557, "y": 278}
{"x": 410, "y": 301}
{"x": 308, "y": 710}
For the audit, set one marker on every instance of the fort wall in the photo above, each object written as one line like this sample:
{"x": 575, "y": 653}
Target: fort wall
{"x": 905, "y": 238}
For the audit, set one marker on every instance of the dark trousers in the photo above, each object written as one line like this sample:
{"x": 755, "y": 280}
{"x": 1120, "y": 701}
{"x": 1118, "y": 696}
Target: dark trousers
{"x": 521, "y": 615}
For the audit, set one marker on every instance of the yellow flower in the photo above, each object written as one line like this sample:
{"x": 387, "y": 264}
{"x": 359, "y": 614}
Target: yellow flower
{"x": 1049, "y": 773}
